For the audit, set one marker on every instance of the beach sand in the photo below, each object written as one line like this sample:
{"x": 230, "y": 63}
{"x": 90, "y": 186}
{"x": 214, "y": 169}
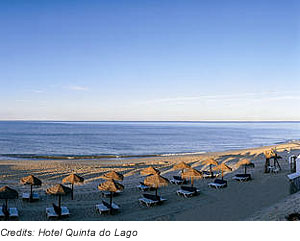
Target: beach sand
{"x": 266, "y": 197}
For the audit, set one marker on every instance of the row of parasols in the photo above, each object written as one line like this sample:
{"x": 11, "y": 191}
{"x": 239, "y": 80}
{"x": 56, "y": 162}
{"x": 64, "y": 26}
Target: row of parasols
{"x": 153, "y": 179}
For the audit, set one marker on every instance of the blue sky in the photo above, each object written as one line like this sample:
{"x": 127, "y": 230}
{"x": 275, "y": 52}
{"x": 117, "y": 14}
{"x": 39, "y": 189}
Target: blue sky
{"x": 149, "y": 60}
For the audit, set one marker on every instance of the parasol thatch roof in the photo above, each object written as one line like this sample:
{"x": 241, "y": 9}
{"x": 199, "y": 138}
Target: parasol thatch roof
{"x": 31, "y": 180}
{"x": 73, "y": 178}
{"x": 245, "y": 162}
{"x": 113, "y": 176}
{"x": 111, "y": 186}
{"x": 59, "y": 189}
{"x": 8, "y": 193}
{"x": 269, "y": 153}
{"x": 191, "y": 173}
{"x": 210, "y": 161}
{"x": 181, "y": 165}
{"x": 149, "y": 170}
{"x": 156, "y": 181}
{"x": 223, "y": 167}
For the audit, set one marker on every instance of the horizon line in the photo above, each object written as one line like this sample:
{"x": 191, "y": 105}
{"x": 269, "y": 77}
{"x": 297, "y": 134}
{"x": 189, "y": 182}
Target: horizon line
{"x": 203, "y": 121}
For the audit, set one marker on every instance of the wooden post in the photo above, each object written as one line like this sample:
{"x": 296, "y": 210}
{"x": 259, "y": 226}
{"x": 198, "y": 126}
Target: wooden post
{"x": 31, "y": 194}
{"x": 111, "y": 194}
{"x": 59, "y": 201}
{"x": 72, "y": 191}
{"x": 267, "y": 164}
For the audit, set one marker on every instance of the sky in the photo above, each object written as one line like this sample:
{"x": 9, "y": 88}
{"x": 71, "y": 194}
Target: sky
{"x": 165, "y": 60}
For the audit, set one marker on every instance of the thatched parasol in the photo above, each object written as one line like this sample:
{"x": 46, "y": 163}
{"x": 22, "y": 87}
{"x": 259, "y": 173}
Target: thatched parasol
{"x": 268, "y": 154}
{"x": 73, "y": 179}
{"x": 32, "y": 181}
{"x": 8, "y": 193}
{"x": 156, "y": 181}
{"x": 110, "y": 186}
{"x": 211, "y": 162}
{"x": 193, "y": 174}
{"x": 149, "y": 171}
{"x": 59, "y": 190}
{"x": 181, "y": 166}
{"x": 113, "y": 176}
{"x": 245, "y": 163}
{"x": 223, "y": 167}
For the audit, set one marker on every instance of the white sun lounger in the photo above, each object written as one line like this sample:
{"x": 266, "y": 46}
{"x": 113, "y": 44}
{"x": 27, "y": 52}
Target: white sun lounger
{"x": 104, "y": 209}
{"x": 13, "y": 212}
{"x": 52, "y": 214}
{"x": 186, "y": 193}
{"x": 143, "y": 187}
{"x": 176, "y": 181}
{"x": 217, "y": 185}
{"x": 242, "y": 177}
{"x": 107, "y": 193}
{"x": 26, "y": 196}
{"x": 150, "y": 202}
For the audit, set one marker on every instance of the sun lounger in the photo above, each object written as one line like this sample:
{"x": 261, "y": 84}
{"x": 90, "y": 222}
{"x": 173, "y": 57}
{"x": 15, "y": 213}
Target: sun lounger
{"x": 273, "y": 169}
{"x": 177, "y": 180}
{"x": 26, "y": 196}
{"x": 150, "y": 200}
{"x": 242, "y": 177}
{"x": 13, "y": 212}
{"x": 218, "y": 183}
{"x": 104, "y": 207}
{"x": 187, "y": 191}
{"x": 107, "y": 193}
{"x": 52, "y": 214}
{"x": 207, "y": 174}
{"x": 144, "y": 187}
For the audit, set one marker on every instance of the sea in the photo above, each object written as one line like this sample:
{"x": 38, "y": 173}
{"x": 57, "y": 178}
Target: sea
{"x": 113, "y": 139}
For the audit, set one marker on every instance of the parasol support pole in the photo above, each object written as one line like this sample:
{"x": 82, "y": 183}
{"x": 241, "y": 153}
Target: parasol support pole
{"x": 267, "y": 164}
{"x": 211, "y": 172}
{"x": 59, "y": 201}
{"x": 245, "y": 169}
{"x": 31, "y": 195}
{"x": 222, "y": 175}
{"x": 156, "y": 192}
{"x": 111, "y": 194}
{"x": 6, "y": 203}
{"x": 192, "y": 181}
{"x": 72, "y": 194}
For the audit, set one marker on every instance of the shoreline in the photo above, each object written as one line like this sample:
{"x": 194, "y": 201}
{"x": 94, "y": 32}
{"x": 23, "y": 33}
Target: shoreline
{"x": 239, "y": 201}
{"x": 113, "y": 157}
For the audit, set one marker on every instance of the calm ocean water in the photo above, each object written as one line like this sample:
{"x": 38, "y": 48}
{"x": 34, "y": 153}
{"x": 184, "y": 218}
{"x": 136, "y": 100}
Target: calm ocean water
{"x": 25, "y": 139}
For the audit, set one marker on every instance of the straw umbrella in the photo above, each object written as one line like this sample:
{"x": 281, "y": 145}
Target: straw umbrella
{"x": 8, "y": 193}
{"x": 73, "y": 179}
{"x": 59, "y": 190}
{"x": 245, "y": 163}
{"x": 112, "y": 187}
{"x": 181, "y": 166}
{"x": 223, "y": 167}
{"x": 156, "y": 181}
{"x": 32, "y": 181}
{"x": 149, "y": 171}
{"x": 193, "y": 174}
{"x": 113, "y": 176}
{"x": 211, "y": 162}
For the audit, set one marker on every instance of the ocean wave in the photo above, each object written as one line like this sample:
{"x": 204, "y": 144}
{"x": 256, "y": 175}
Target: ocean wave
{"x": 89, "y": 157}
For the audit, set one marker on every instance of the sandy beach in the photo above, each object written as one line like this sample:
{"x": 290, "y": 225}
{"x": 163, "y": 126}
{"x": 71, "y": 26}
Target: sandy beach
{"x": 266, "y": 197}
